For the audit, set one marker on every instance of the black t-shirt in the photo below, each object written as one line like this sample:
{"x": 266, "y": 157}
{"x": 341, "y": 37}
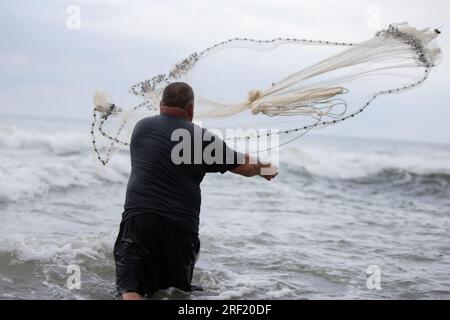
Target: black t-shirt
{"x": 170, "y": 188}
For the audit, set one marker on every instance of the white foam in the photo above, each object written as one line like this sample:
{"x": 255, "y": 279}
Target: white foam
{"x": 7, "y": 280}
{"x": 341, "y": 160}
{"x": 282, "y": 293}
{"x": 26, "y": 178}
{"x": 59, "y": 142}
{"x": 95, "y": 247}
{"x": 68, "y": 161}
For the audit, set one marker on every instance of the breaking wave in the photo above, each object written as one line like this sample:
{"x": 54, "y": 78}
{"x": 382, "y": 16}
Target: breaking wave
{"x": 36, "y": 161}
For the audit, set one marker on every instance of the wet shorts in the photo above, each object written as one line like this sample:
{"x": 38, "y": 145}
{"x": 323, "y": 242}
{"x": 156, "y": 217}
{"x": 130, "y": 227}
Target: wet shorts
{"x": 152, "y": 253}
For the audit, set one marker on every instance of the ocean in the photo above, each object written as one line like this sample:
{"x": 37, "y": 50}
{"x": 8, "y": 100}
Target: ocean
{"x": 346, "y": 218}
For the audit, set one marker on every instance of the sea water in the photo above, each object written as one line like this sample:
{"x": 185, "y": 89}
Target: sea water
{"x": 345, "y": 219}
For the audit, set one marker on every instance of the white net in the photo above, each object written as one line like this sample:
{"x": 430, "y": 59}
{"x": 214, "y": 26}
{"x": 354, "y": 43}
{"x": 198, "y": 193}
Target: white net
{"x": 327, "y": 92}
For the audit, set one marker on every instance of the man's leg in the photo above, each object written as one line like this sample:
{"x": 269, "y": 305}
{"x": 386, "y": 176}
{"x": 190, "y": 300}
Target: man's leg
{"x": 128, "y": 263}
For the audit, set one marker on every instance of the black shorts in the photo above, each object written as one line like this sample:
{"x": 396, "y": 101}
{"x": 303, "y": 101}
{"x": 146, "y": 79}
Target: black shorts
{"x": 152, "y": 253}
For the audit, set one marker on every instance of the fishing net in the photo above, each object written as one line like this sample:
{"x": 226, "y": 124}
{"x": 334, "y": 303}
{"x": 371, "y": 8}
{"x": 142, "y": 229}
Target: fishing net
{"x": 281, "y": 105}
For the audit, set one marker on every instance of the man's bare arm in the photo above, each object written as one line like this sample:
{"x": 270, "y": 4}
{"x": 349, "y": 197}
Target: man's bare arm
{"x": 252, "y": 167}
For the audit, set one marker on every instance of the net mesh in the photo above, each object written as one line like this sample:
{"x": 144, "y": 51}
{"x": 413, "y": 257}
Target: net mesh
{"x": 329, "y": 91}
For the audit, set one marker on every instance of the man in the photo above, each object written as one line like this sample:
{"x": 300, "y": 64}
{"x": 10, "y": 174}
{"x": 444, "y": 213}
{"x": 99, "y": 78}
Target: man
{"x": 158, "y": 240}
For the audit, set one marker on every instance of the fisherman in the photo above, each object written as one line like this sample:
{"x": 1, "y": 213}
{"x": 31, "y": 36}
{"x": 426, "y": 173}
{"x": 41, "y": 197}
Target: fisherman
{"x": 158, "y": 242}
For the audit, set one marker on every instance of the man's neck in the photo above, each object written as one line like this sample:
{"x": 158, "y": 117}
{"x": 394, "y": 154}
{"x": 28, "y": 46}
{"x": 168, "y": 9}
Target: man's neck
{"x": 175, "y": 111}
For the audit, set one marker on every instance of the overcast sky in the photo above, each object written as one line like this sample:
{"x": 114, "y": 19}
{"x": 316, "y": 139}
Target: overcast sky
{"x": 49, "y": 69}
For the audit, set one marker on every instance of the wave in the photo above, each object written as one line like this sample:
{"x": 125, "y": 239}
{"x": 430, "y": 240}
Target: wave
{"x": 54, "y": 141}
{"x": 407, "y": 182}
{"x": 42, "y": 158}
{"x": 28, "y": 178}
{"x": 22, "y": 182}
{"x": 417, "y": 170}
{"x": 384, "y": 181}
{"x": 342, "y": 161}
{"x": 93, "y": 247}
{"x": 395, "y": 175}
{"x": 37, "y": 161}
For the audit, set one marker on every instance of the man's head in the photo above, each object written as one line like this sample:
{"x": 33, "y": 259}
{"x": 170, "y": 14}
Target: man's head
{"x": 178, "y": 99}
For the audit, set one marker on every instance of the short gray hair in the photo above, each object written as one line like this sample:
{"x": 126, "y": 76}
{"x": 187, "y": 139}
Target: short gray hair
{"x": 177, "y": 94}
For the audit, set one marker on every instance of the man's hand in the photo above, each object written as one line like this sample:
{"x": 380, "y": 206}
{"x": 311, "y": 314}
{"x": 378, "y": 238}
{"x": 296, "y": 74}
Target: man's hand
{"x": 268, "y": 171}
{"x": 251, "y": 167}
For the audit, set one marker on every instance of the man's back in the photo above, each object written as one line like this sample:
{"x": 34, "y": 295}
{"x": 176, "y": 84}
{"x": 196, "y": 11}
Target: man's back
{"x": 156, "y": 184}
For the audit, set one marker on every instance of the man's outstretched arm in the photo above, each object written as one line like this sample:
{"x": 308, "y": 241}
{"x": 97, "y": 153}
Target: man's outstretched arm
{"x": 252, "y": 167}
